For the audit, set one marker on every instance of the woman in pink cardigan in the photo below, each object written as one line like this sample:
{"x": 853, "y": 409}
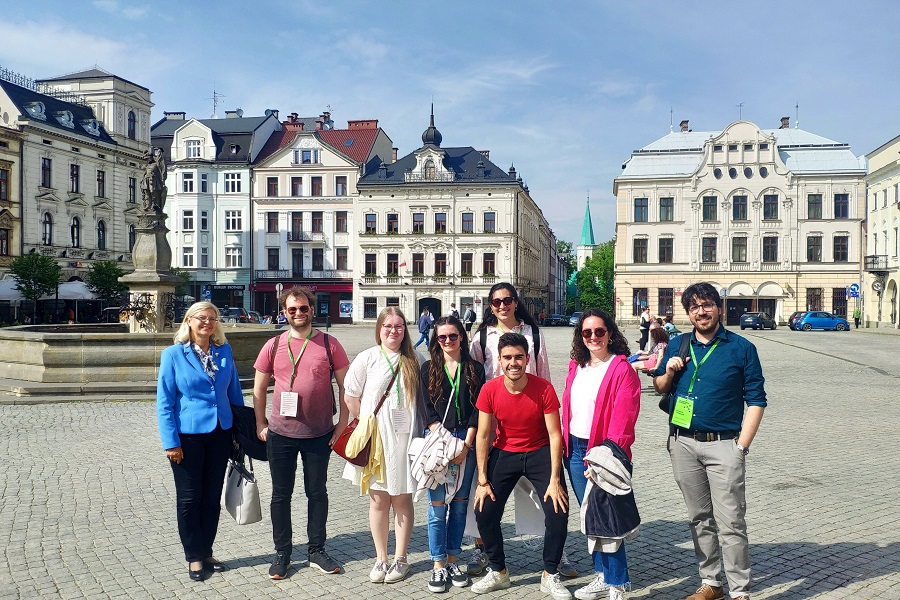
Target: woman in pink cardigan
{"x": 601, "y": 401}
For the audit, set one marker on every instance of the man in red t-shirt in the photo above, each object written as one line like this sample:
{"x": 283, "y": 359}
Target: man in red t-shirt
{"x": 301, "y": 423}
{"x": 528, "y": 444}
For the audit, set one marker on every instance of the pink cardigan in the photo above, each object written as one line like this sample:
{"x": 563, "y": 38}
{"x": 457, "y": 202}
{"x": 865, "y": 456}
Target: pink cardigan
{"x": 615, "y": 410}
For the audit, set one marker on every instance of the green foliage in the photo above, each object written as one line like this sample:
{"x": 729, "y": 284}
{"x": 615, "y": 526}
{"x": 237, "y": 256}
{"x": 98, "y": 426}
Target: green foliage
{"x": 595, "y": 279}
{"x": 183, "y": 288}
{"x": 567, "y": 250}
{"x": 36, "y": 275}
{"x": 103, "y": 280}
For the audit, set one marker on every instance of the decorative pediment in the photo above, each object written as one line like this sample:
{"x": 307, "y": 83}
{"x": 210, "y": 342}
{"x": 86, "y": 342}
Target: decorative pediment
{"x": 47, "y": 196}
{"x": 307, "y": 142}
{"x": 76, "y": 200}
{"x": 6, "y": 219}
{"x": 102, "y": 205}
{"x": 132, "y": 210}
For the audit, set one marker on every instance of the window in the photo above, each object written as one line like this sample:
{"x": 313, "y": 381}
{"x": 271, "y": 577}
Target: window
{"x": 489, "y": 264}
{"x": 490, "y": 222}
{"x": 370, "y": 308}
{"x": 233, "y": 220}
{"x": 418, "y": 222}
{"x": 770, "y": 207}
{"x": 204, "y": 220}
{"x": 708, "y": 250}
{"x": 187, "y": 220}
{"x": 101, "y": 235}
{"x": 814, "y": 206}
{"x": 839, "y": 302}
{"x": 4, "y": 184}
{"x": 468, "y": 222}
{"x": 770, "y": 249}
{"x": 841, "y": 248}
{"x": 748, "y": 147}
{"x": 440, "y": 223}
{"x": 842, "y": 205}
{"x": 392, "y": 301}
{"x": 340, "y": 221}
{"x": 666, "y": 250}
{"x": 204, "y": 183}
{"x": 271, "y": 187}
{"x": 232, "y": 183}
{"x": 4, "y": 242}
{"x": 709, "y": 208}
{"x": 132, "y": 190}
{"x": 763, "y": 146}
{"x": 316, "y": 185}
{"x": 318, "y": 259}
{"x": 640, "y": 210}
{"x": 639, "y": 252}
{"x": 309, "y": 156}
{"x": 667, "y": 209}
{"x": 75, "y": 230}
{"x": 429, "y": 170}
{"x": 739, "y": 208}
{"x": 296, "y": 262}
{"x": 739, "y": 249}
{"x": 814, "y": 248}
{"x": 317, "y": 219}
{"x": 370, "y": 264}
{"x": 187, "y": 256}
{"x": 271, "y": 222}
{"x": 732, "y": 147}
{"x": 418, "y": 264}
{"x": 132, "y": 237}
{"x": 465, "y": 264}
{"x": 234, "y": 258}
{"x": 296, "y": 225}
{"x": 340, "y": 255}
{"x": 192, "y": 149}
{"x": 371, "y": 222}
{"x": 101, "y": 184}
{"x": 75, "y": 179}
{"x": 393, "y": 260}
{"x": 204, "y": 258}
{"x": 340, "y": 185}
{"x": 46, "y": 172}
{"x": 638, "y": 300}
{"x": 296, "y": 186}
{"x": 813, "y": 298}
{"x": 132, "y": 125}
{"x": 47, "y": 230}
{"x": 273, "y": 259}
{"x": 187, "y": 183}
{"x": 666, "y": 303}
{"x": 393, "y": 223}
{"x": 440, "y": 263}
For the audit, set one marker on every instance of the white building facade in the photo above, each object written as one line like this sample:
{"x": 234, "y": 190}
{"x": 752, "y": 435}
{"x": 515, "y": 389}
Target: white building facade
{"x": 882, "y": 262}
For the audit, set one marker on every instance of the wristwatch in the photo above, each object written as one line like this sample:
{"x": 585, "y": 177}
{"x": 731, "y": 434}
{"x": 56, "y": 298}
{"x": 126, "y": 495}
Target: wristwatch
{"x": 745, "y": 450}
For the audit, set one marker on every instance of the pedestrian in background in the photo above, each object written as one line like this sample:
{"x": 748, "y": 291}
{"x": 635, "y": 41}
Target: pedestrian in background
{"x": 856, "y": 317}
{"x": 469, "y": 318}
{"x": 644, "y": 327}
{"x": 424, "y": 325}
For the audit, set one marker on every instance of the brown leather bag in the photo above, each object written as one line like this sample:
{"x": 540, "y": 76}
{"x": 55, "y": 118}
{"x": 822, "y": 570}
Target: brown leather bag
{"x": 340, "y": 445}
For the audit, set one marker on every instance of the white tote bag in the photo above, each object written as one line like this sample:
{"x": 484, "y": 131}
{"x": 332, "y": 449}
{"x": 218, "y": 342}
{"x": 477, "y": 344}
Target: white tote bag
{"x": 240, "y": 494}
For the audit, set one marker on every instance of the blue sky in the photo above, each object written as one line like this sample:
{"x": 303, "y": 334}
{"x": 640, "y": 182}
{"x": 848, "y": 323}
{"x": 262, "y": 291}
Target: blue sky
{"x": 564, "y": 90}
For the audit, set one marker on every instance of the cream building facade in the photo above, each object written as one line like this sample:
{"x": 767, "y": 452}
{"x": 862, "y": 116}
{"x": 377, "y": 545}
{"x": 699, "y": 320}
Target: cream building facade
{"x": 771, "y": 217}
{"x": 882, "y": 260}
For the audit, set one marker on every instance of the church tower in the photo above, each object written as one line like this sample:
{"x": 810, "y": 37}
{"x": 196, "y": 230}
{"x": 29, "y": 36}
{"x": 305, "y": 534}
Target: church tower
{"x": 586, "y": 246}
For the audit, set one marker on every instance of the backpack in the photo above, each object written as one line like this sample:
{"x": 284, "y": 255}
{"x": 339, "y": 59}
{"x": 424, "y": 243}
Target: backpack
{"x": 667, "y": 402}
{"x": 454, "y": 313}
{"x": 274, "y": 350}
{"x": 535, "y": 333}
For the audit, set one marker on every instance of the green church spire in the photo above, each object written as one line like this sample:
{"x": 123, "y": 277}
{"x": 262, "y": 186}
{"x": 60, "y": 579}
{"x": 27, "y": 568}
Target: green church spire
{"x": 587, "y": 230}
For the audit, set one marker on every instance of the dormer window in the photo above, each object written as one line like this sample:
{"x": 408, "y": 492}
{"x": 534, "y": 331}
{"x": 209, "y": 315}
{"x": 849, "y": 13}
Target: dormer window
{"x": 235, "y": 149}
{"x": 192, "y": 149}
{"x": 92, "y": 126}
{"x": 65, "y": 119}
{"x": 428, "y": 169}
{"x": 36, "y": 110}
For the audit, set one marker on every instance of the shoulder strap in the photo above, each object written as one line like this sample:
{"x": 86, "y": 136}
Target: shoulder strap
{"x": 274, "y": 350}
{"x": 387, "y": 390}
{"x": 684, "y": 347}
{"x": 482, "y": 335}
{"x": 328, "y": 352}
{"x": 536, "y": 335}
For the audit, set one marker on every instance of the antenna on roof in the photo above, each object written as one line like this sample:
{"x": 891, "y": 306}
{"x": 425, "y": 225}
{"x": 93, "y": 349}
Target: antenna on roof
{"x": 671, "y": 126}
{"x": 215, "y": 98}
{"x": 797, "y": 116}
{"x": 740, "y": 110}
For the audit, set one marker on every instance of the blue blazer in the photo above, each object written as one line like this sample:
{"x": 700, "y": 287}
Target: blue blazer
{"x": 187, "y": 400}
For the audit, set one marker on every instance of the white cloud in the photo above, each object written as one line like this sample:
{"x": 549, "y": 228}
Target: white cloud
{"x": 46, "y": 50}
{"x": 116, "y": 8}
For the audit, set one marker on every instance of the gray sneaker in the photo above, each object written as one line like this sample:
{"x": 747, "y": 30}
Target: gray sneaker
{"x": 594, "y": 590}
{"x": 478, "y": 562}
{"x": 565, "y": 567}
{"x": 552, "y": 584}
{"x": 492, "y": 580}
{"x": 398, "y": 571}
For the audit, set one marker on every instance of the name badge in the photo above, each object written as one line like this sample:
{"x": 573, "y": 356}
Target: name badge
{"x": 452, "y": 476}
{"x": 400, "y": 417}
{"x": 289, "y": 402}
{"x": 684, "y": 411}
{"x": 223, "y": 361}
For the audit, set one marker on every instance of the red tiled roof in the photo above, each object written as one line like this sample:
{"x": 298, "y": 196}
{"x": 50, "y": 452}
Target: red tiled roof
{"x": 277, "y": 141}
{"x": 360, "y": 141}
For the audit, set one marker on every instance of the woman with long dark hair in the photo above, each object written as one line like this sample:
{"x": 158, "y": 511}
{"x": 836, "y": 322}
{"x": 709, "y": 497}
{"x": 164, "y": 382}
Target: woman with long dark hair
{"x": 600, "y": 406}
{"x": 451, "y": 381}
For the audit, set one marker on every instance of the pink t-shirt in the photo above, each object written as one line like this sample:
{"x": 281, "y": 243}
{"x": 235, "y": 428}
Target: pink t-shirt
{"x": 520, "y": 417}
{"x": 315, "y": 405}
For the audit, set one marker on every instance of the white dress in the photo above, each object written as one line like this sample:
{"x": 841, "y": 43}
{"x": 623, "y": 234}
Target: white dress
{"x": 367, "y": 379}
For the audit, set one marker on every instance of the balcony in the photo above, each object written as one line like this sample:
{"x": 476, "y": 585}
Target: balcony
{"x": 439, "y": 279}
{"x": 322, "y": 274}
{"x": 491, "y": 279}
{"x": 273, "y": 274}
{"x": 876, "y": 263}
{"x": 740, "y": 266}
{"x": 416, "y": 177}
{"x": 298, "y": 236}
{"x": 466, "y": 279}
{"x": 712, "y": 266}
{"x": 370, "y": 279}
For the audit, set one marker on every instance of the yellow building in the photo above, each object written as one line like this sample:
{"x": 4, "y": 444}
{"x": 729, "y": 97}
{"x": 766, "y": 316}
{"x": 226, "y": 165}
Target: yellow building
{"x": 10, "y": 197}
{"x": 882, "y": 240}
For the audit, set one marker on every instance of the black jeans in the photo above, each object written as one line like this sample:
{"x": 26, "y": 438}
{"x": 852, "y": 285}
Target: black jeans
{"x": 504, "y": 470}
{"x": 645, "y": 335}
{"x": 315, "y": 453}
{"x": 198, "y": 489}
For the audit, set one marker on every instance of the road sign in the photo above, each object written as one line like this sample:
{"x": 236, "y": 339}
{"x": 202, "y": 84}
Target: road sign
{"x": 854, "y": 287}
{"x": 278, "y": 288}
{"x": 853, "y": 290}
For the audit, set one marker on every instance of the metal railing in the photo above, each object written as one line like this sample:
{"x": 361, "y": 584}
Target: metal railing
{"x": 876, "y": 262}
{"x": 273, "y": 274}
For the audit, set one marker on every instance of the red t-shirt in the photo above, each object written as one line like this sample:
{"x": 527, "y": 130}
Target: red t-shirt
{"x": 520, "y": 417}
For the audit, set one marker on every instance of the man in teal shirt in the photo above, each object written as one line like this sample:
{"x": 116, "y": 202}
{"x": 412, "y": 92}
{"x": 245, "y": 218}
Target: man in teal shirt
{"x": 710, "y": 437}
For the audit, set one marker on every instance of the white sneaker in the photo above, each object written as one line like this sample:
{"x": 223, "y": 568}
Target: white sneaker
{"x": 552, "y": 584}
{"x": 493, "y": 580}
{"x": 398, "y": 571}
{"x": 594, "y": 590}
{"x": 378, "y": 572}
{"x": 565, "y": 567}
{"x": 616, "y": 593}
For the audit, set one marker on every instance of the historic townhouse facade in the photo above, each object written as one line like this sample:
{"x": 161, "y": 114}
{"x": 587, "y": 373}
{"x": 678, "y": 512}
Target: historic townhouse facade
{"x": 76, "y": 182}
{"x": 304, "y": 186}
{"x": 771, "y": 217}
{"x": 209, "y": 184}
{"x": 10, "y": 195}
{"x": 882, "y": 262}
{"x": 441, "y": 226}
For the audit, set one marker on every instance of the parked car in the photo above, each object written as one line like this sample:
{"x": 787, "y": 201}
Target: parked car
{"x": 235, "y": 315}
{"x": 255, "y": 317}
{"x": 794, "y": 318}
{"x": 817, "y": 319}
{"x": 573, "y": 320}
{"x": 556, "y": 319}
{"x": 757, "y": 320}
{"x": 112, "y": 315}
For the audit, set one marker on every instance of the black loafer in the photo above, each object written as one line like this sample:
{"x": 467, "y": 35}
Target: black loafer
{"x": 215, "y": 567}
{"x": 197, "y": 575}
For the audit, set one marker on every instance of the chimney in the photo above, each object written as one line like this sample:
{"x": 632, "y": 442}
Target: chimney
{"x": 485, "y": 153}
{"x": 363, "y": 124}
{"x": 174, "y": 116}
{"x": 231, "y": 114}
{"x": 394, "y": 154}
{"x": 685, "y": 126}
{"x": 785, "y": 123}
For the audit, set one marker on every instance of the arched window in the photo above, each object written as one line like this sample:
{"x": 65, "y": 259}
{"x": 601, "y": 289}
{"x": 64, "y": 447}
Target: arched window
{"x": 47, "y": 229}
{"x": 76, "y": 232}
{"x": 132, "y": 237}
{"x": 101, "y": 235}
{"x": 429, "y": 170}
{"x": 131, "y": 125}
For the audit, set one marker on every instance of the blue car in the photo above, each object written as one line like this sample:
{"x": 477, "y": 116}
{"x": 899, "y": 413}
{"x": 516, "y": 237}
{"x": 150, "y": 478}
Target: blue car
{"x": 817, "y": 319}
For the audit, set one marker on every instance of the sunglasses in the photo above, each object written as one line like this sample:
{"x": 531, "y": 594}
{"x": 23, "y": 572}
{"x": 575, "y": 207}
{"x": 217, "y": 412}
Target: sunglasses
{"x": 496, "y": 302}
{"x": 293, "y": 309}
{"x": 599, "y": 332}
{"x": 452, "y": 337}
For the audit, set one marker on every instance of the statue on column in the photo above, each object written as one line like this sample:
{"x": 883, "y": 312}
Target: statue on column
{"x": 153, "y": 184}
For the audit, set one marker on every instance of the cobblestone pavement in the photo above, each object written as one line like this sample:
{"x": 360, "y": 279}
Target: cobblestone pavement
{"x": 88, "y": 500}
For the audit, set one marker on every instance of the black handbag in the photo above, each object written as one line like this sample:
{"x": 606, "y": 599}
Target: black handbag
{"x": 243, "y": 430}
{"x": 667, "y": 402}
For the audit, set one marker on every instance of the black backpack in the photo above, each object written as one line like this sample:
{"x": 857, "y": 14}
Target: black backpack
{"x": 535, "y": 333}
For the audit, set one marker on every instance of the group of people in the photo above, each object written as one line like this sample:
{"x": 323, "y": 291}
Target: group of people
{"x": 499, "y": 430}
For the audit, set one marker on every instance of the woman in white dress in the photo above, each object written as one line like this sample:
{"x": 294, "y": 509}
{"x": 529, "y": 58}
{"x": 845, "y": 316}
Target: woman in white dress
{"x": 365, "y": 383}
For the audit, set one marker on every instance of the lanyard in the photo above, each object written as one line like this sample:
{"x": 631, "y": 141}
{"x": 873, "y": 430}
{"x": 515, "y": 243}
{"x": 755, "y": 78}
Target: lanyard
{"x": 454, "y": 384}
{"x": 700, "y": 364}
{"x": 296, "y": 361}
{"x": 393, "y": 372}
{"x": 505, "y": 330}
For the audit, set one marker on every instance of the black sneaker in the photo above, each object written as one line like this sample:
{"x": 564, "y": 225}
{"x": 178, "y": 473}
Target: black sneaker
{"x": 438, "y": 581}
{"x": 280, "y": 565}
{"x": 457, "y": 577}
{"x": 323, "y": 562}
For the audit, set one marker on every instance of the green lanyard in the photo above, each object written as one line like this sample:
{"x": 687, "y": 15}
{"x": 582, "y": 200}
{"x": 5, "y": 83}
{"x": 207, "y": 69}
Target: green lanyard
{"x": 700, "y": 364}
{"x": 296, "y": 361}
{"x": 394, "y": 373}
{"x": 454, "y": 384}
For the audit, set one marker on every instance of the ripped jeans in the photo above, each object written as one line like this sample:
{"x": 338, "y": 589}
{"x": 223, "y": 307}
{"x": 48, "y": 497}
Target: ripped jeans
{"x": 445, "y": 528}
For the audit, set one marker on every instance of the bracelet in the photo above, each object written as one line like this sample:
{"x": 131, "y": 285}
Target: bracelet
{"x": 485, "y": 484}
{"x": 467, "y": 445}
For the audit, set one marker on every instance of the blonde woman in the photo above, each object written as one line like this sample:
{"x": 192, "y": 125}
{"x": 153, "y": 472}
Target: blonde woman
{"x": 366, "y": 381}
{"x": 198, "y": 381}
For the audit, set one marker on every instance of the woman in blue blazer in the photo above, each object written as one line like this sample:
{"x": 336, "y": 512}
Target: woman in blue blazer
{"x": 198, "y": 382}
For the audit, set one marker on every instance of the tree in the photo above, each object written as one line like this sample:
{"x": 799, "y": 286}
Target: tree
{"x": 103, "y": 279}
{"x": 564, "y": 248}
{"x": 36, "y": 276}
{"x": 595, "y": 280}
{"x": 183, "y": 288}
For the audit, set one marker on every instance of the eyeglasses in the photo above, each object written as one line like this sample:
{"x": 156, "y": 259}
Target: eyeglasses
{"x": 706, "y": 306}
{"x": 394, "y": 327}
{"x": 293, "y": 309}
{"x": 207, "y": 319}
{"x": 496, "y": 302}
{"x": 599, "y": 332}
{"x": 451, "y": 336}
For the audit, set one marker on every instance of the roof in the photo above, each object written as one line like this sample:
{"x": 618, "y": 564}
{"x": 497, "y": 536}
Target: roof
{"x": 93, "y": 73}
{"x": 355, "y": 143}
{"x": 587, "y": 230}
{"x": 462, "y": 161}
{"x": 166, "y": 127}
{"x": 225, "y": 133}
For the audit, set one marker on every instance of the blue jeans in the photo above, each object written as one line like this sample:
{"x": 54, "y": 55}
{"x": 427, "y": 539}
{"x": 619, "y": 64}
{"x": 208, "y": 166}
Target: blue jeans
{"x": 424, "y": 338}
{"x": 613, "y": 565}
{"x": 445, "y": 531}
